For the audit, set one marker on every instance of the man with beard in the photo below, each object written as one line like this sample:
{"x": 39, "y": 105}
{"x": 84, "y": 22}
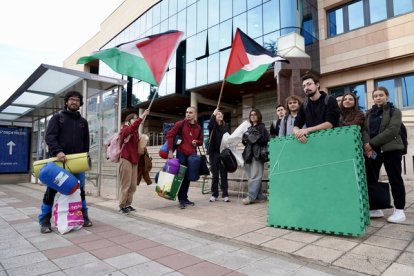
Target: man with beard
{"x": 293, "y": 103}
{"x": 67, "y": 133}
{"x": 318, "y": 111}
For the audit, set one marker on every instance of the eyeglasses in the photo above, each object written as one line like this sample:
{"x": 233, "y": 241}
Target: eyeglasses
{"x": 74, "y": 100}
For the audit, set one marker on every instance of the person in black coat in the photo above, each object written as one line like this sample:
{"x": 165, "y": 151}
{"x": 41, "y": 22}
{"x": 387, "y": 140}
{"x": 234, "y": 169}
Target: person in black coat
{"x": 217, "y": 127}
{"x": 255, "y": 154}
{"x": 67, "y": 133}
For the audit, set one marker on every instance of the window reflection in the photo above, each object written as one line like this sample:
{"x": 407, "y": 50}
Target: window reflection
{"x": 336, "y": 22}
{"x": 270, "y": 16}
{"x": 182, "y": 22}
{"x": 287, "y": 9}
{"x": 213, "y": 39}
{"x": 390, "y": 85}
{"x": 213, "y": 15}
{"x": 225, "y": 9}
{"x": 201, "y": 15}
{"x": 172, "y": 7}
{"x": 225, "y": 34}
{"x": 402, "y": 6}
{"x": 213, "y": 68}
{"x": 240, "y": 22}
{"x": 253, "y": 3}
{"x": 407, "y": 89}
{"x": 190, "y": 75}
{"x": 239, "y": 6}
{"x": 254, "y": 22}
{"x": 170, "y": 81}
{"x": 201, "y": 78}
{"x": 224, "y": 58}
{"x": 377, "y": 10}
{"x": 191, "y": 20}
{"x": 200, "y": 49}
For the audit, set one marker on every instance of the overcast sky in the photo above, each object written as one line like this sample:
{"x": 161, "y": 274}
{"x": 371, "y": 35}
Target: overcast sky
{"x": 44, "y": 31}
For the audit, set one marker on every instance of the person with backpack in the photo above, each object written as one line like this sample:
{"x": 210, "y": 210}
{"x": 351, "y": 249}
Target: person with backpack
{"x": 217, "y": 127}
{"x": 67, "y": 133}
{"x": 293, "y": 103}
{"x": 275, "y": 126}
{"x": 383, "y": 146}
{"x": 129, "y": 158}
{"x": 192, "y": 137}
{"x": 318, "y": 111}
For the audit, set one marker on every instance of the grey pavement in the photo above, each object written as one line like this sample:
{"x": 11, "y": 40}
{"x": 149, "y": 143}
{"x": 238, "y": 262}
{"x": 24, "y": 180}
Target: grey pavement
{"x": 206, "y": 239}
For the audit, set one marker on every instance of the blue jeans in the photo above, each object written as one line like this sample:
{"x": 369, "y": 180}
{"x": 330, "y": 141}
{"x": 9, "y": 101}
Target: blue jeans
{"x": 254, "y": 172}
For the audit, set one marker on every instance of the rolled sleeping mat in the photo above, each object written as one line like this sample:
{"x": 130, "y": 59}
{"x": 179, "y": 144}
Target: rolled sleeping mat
{"x": 76, "y": 163}
{"x": 59, "y": 179}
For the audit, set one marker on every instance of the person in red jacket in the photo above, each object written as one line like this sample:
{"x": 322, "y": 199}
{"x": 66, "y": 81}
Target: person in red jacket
{"x": 128, "y": 164}
{"x": 192, "y": 136}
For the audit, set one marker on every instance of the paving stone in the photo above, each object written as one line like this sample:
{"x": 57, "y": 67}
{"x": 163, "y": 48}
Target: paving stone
{"x": 410, "y": 248}
{"x": 23, "y": 260}
{"x": 269, "y": 266}
{"x": 315, "y": 252}
{"x": 56, "y": 253}
{"x": 109, "y": 252}
{"x": 207, "y": 252}
{"x": 148, "y": 268}
{"x": 337, "y": 244}
{"x": 75, "y": 260}
{"x": 233, "y": 260}
{"x": 399, "y": 269}
{"x": 77, "y": 239}
{"x": 376, "y": 252}
{"x": 302, "y": 236}
{"x": 112, "y": 233}
{"x": 157, "y": 252}
{"x": 284, "y": 245}
{"x": 179, "y": 260}
{"x": 141, "y": 244}
{"x": 94, "y": 268}
{"x": 205, "y": 269}
{"x": 34, "y": 269}
{"x": 17, "y": 250}
{"x": 127, "y": 238}
{"x": 406, "y": 258}
{"x": 254, "y": 238}
{"x": 391, "y": 233}
{"x": 97, "y": 244}
{"x": 48, "y": 241}
{"x": 273, "y": 231}
{"x": 387, "y": 242}
{"x": 362, "y": 264}
{"x": 57, "y": 273}
{"x": 126, "y": 260}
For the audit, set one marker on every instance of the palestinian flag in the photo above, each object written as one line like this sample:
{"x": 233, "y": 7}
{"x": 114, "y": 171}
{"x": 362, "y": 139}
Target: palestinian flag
{"x": 145, "y": 59}
{"x": 248, "y": 60}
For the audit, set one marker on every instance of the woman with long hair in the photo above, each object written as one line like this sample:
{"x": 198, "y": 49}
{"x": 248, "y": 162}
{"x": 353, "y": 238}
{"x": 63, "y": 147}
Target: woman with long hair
{"x": 383, "y": 145}
{"x": 350, "y": 113}
{"x": 255, "y": 155}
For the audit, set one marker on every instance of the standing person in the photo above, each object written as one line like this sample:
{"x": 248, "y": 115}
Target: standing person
{"x": 275, "y": 126}
{"x": 318, "y": 111}
{"x": 129, "y": 158}
{"x": 350, "y": 113}
{"x": 383, "y": 145}
{"x": 192, "y": 137}
{"x": 67, "y": 133}
{"x": 293, "y": 103}
{"x": 217, "y": 127}
{"x": 255, "y": 140}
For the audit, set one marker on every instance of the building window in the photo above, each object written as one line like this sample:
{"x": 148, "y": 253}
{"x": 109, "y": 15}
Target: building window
{"x": 357, "y": 88}
{"x": 400, "y": 88}
{"x": 357, "y": 14}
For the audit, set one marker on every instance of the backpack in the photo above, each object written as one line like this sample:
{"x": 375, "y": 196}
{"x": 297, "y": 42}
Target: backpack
{"x": 403, "y": 133}
{"x": 114, "y": 147}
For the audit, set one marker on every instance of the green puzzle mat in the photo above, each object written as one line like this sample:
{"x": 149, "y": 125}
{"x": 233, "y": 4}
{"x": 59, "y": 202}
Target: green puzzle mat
{"x": 319, "y": 186}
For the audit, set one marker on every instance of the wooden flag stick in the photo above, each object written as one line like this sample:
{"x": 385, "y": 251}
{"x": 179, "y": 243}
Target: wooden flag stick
{"x": 221, "y": 92}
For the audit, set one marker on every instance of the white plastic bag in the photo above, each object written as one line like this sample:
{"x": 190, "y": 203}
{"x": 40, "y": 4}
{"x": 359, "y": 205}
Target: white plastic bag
{"x": 232, "y": 141}
{"x": 67, "y": 212}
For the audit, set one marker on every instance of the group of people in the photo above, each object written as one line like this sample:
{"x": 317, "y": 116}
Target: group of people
{"x": 68, "y": 133}
{"x": 380, "y": 129}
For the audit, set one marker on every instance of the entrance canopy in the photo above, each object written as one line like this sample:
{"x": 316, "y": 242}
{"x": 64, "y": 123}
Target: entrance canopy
{"x": 42, "y": 93}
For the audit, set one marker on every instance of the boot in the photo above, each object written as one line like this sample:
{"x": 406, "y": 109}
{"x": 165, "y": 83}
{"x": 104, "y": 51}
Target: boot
{"x": 86, "y": 221}
{"x": 45, "y": 226}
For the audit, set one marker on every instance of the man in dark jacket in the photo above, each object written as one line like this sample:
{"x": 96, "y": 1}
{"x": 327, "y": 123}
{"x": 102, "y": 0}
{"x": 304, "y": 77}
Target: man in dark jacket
{"x": 217, "y": 127}
{"x": 67, "y": 133}
{"x": 318, "y": 111}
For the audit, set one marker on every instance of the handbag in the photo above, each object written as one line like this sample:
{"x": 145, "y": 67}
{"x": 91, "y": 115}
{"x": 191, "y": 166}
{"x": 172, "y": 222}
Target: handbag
{"x": 204, "y": 170}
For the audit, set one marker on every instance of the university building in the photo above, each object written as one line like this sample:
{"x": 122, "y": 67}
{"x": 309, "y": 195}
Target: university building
{"x": 353, "y": 46}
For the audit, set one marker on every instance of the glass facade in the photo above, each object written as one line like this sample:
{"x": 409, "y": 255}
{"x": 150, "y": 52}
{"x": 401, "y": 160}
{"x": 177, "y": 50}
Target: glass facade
{"x": 357, "y": 88}
{"x": 357, "y": 14}
{"x": 400, "y": 88}
{"x": 209, "y": 27}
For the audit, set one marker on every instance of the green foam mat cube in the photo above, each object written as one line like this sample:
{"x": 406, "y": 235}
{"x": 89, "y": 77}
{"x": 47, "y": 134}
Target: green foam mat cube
{"x": 321, "y": 185}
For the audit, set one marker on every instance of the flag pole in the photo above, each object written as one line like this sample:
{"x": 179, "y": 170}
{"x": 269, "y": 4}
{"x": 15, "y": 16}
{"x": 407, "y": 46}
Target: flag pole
{"x": 221, "y": 92}
{"x": 152, "y": 100}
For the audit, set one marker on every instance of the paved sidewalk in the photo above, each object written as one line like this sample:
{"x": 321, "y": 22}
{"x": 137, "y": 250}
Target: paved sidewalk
{"x": 124, "y": 245}
{"x": 228, "y": 230}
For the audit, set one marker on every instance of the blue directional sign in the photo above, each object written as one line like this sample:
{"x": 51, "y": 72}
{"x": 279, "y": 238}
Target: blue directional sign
{"x": 14, "y": 149}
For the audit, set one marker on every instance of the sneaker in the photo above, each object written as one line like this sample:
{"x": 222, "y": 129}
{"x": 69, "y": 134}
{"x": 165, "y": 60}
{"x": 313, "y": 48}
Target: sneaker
{"x": 246, "y": 201}
{"x": 376, "y": 214}
{"x": 213, "y": 199}
{"x": 124, "y": 211}
{"x": 131, "y": 209}
{"x": 181, "y": 205}
{"x": 397, "y": 216}
{"x": 188, "y": 202}
{"x": 226, "y": 199}
{"x": 87, "y": 222}
{"x": 44, "y": 229}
